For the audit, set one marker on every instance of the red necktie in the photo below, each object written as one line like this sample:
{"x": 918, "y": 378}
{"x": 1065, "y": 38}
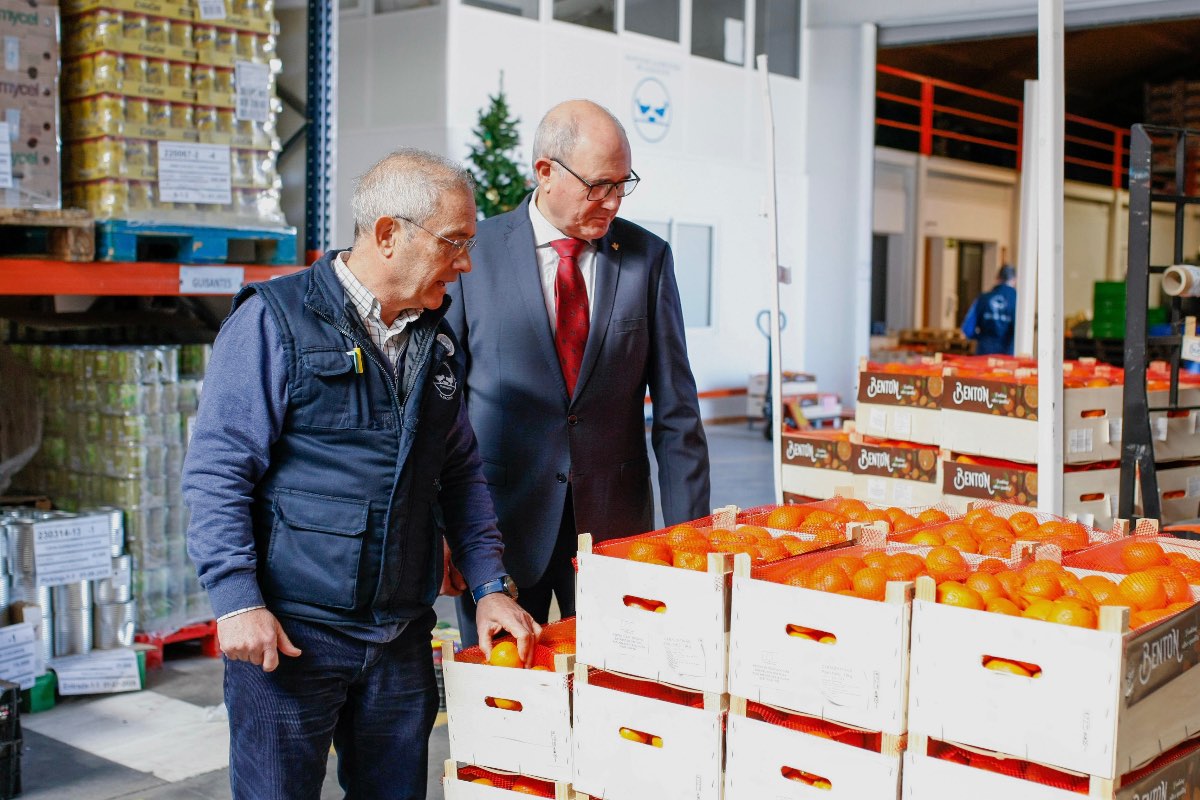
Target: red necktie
{"x": 571, "y": 309}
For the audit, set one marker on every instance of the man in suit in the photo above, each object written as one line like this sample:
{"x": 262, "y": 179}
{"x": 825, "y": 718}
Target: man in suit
{"x": 569, "y": 316}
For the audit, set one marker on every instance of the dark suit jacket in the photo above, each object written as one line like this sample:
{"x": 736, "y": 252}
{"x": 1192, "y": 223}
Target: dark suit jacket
{"x": 533, "y": 437}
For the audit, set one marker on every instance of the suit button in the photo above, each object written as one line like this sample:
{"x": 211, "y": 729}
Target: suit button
{"x": 562, "y": 478}
{"x": 572, "y": 420}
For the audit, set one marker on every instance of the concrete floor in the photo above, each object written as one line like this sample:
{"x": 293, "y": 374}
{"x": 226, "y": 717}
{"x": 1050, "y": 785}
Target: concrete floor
{"x": 55, "y": 770}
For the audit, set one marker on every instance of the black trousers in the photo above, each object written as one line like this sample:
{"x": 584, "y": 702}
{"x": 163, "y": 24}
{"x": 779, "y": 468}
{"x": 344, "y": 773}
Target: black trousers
{"x": 558, "y": 582}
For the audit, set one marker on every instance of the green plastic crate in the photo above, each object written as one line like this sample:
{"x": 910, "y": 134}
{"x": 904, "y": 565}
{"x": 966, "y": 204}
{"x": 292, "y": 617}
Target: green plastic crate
{"x": 41, "y": 696}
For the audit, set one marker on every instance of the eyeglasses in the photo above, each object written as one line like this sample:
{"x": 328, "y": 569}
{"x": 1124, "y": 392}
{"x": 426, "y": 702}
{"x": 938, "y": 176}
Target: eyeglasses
{"x": 463, "y": 246}
{"x": 600, "y": 191}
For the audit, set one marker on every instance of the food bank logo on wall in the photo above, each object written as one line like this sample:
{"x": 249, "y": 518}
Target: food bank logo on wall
{"x": 651, "y": 109}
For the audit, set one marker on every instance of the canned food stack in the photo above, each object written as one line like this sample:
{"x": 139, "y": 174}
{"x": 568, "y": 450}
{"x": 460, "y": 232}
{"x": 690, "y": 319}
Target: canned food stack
{"x": 114, "y": 438}
{"x": 139, "y": 77}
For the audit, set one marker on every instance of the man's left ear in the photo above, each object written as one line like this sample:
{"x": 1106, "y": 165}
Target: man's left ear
{"x": 387, "y": 231}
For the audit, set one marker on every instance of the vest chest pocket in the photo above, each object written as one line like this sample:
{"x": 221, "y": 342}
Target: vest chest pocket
{"x": 316, "y": 546}
{"x": 332, "y": 394}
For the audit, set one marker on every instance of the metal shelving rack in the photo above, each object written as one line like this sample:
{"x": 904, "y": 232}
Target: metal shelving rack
{"x": 1137, "y": 445}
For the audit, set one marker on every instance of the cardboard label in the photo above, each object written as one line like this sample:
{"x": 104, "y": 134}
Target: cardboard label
{"x": 1080, "y": 440}
{"x": 18, "y": 654}
{"x": 252, "y": 84}
{"x": 6, "y": 172}
{"x": 894, "y": 389}
{"x": 212, "y": 9}
{"x": 72, "y": 550}
{"x": 901, "y": 462}
{"x": 98, "y": 672}
{"x": 996, "y": 398}
{"x": 987, "y": 482}
{"x": 12, "y": 53}
{"x": 211, "y": 280}
{"x": 819, "y": 453}
{"x": 1161, "y": 655}
{"x": 194, "y": 173}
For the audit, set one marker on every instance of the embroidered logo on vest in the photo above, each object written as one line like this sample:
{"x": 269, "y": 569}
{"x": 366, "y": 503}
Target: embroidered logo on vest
{"x": 445, "y": 382}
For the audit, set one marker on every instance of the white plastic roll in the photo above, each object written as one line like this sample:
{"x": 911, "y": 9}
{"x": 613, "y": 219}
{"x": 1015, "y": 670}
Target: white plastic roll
{"x": 1182, "y": 280}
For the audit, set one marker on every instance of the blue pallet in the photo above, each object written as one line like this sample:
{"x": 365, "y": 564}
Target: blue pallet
{"x": 117, "y": 240}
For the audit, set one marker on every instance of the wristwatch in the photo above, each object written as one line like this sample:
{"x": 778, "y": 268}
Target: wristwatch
{"x": 504, "y": 583}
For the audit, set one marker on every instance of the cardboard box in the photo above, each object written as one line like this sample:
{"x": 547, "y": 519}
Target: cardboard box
{"x": 794, "y": 383}
{"x": 895, "y": 473}
{"x": 686, "y": 763}
{"x": 29, "y": 104}
{"x": 1178, "y": 490}
{"x": 861, "y": 679}
{"x": 758, "y": 752}
{"x": 898, "y": 405}
{"x": 1090, "y": 495}
{"x": 532, "y": 739}
{"x": 998, "y": 419}
{"x": 817, "y": 463}
{"x": 1107, "y": 701}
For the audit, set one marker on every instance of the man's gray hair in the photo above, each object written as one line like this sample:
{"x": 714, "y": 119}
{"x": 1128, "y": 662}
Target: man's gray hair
{"x": 558, "y": 133}
{"x": 406, "y": 183}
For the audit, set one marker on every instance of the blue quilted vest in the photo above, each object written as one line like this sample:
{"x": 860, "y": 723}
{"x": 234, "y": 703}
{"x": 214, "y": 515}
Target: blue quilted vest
{"x": 346, "y": 522}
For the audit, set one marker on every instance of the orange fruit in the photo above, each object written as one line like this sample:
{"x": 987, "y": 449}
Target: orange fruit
{"x": 1042, "y": 567}
{"x": 904, "y": 567}
{"x": 870, "y": 582}
{"x": 991, "y": 566}
{"x": 533, "y": 786}
{"x": 988, "y": 587}
{"x": 507, "y": 705}
{"x": 759, "y": 534}
{"x": 1070, "y": 536}
{"x": 483, "y": 782}
{"x": 793, "y": 544}
{"x": 818, "y": 518}
{"x": 964, "y": 544}
{"x": 1004, "y": 665}
{"x": 771, "y": 551}
{"x": 848, "y": 564}
{"x": 681, "y": 534}
{"x": 504, "y": 654}
{"x": 876, "y": 559}
{"x": 848, "y": 505}
{"x": 722, "y": 536}
{"x": 1045, "y": 587}
{"x": 928, "y": 538}
{"x": 973, "y": 516}
{"x": 996, "y": 548}
{"x": 1023, "y": 522}
{"x": 693, "y": 561}
{"x": 655, "y": 549}
{"x": 1072, "y": 612}
{"x": 797, "y": 577}
{"x": 634, "y": 736}
{"x": 1002, "y": 605}
{"x": 947, "y": 564}
{"x": 1175, "y": 583}
{"x": 932, "y": 516}
{"x": 952, "y": 593}
{"x": 875, "y": 515}
{"x": 786, "y": 517}
{"x": 1038, "y": 608}
{"x": 829, "y": 535}
{"x": 829, "y": 578}
{"x": 1143, "y": 591}
{"x": 902, "y": 523}
{"x": 1103, "y": 590}
{"x": 1143, "y": 555}
{"x": 1140, "y": 619}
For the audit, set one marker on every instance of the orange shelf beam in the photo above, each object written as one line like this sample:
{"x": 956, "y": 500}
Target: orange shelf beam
{"x": 34, "y": 276}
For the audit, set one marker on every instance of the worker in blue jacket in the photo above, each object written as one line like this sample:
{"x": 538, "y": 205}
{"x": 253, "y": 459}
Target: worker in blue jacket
{"x": 331, "y": 453}
{"x": 992, "y": 319}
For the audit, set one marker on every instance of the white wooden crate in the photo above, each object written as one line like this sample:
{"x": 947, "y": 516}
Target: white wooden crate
{"x": 534, "y": 740}
{"x": 860, "y": 680}
{"x": 757, "y": 752}
{"x": 688, "y": 765}
{"x": 816, "y": 482}
{"x": 456, "y": 788}
{"x": 1107, "y": 700}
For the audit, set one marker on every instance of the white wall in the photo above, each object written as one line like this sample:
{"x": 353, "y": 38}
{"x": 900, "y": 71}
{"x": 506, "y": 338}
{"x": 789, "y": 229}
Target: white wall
{"x": 836, "y": 287}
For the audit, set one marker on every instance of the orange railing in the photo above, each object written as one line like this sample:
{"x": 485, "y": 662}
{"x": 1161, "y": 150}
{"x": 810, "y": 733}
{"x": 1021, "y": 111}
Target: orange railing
{"x": 937, "y": 117}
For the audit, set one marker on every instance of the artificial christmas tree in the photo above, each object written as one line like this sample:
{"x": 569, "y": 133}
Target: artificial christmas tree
{"x": 500, "y": 184}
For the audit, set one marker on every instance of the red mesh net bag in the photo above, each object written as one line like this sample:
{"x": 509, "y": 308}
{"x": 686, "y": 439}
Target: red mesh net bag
{"x": 1176, "y": 753}
{"x": 1012, "y": 767}
{"x": 521, "y": 784}
{"x": 815, "y": 726}
{"x": 994, "y": 529}
{"x": 557, "y": 638}
{"x": 642, "y": 688}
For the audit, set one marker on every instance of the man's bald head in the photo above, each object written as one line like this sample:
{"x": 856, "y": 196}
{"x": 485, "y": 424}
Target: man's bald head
{"x": 560, "y": 130}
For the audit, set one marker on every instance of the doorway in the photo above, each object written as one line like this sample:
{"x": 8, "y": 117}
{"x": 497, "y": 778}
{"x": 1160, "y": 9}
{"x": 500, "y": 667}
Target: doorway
{"x": 970, "y": 276}
{"x": 879, "y": 284}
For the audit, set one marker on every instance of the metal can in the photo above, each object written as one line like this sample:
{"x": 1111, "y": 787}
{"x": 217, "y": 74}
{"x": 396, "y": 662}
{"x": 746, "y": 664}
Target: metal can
{"x": 137, "y": 156}
{"x": 136, "y": 68}
{"x": 204, "y": 79}
{"x": 108, "y": 70}
{"x": 158, "y": 30}
{"x": 110, "y": 113}
{"x": 134, "y": 29}
{"x": 72, "y": 619}
{"x": 137, "y": 111}
{"x": 206, "y": 119}
{"x": 204, "y": 39}
{"x": 181, "y": 34}
{"x": 182, "y": 115}
{"x": 248, "y": 47}
{"x": 109, "y": 30}
{"x": 160, "y": 114}
{"x": 118, "y": 588}
{"x": 158, "y": 72}
{"x": 225, "y": 120}
{"x": 224, "y": 81}
{"x": 180, "y": 75}
{"x": 226, "y": 41}
{"x": 114, "y": 624}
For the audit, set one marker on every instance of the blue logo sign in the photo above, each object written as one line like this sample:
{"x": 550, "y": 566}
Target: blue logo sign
{"x": 651, "y": 109}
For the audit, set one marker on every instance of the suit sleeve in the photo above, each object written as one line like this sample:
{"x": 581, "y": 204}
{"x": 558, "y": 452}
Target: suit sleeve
{"x": 677, "y": 433}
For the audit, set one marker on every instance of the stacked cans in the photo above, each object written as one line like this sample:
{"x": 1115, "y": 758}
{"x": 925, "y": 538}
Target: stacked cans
{"x": 75, "y": 617}
{"x": 116, "y": 430}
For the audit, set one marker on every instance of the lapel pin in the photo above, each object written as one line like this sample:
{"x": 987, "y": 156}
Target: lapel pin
{"x": 616, "y": 246}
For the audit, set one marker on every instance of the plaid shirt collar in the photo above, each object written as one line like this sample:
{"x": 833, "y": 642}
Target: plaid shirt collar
{"x": 386, "y": 337}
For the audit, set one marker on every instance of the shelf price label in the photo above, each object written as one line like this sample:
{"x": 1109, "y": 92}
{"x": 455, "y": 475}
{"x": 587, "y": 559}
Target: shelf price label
{"x": 194, "y": 173}
{"x": 212, "y": 9}
{"x": 18, "y": 654}
{"x": 252, "y": 87}
{"x": 71, "y": 550}
{"x": 6, "y": 176}
{"x": 211, "y": 280}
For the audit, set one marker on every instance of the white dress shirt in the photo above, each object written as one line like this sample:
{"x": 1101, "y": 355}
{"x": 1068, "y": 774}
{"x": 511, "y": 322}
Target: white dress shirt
{"x": 543, "y": 234}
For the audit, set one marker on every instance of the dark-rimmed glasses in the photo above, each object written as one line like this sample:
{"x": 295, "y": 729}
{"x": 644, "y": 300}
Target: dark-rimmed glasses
{"x": 600, "y": 191}
{"x": 463, "y": 246}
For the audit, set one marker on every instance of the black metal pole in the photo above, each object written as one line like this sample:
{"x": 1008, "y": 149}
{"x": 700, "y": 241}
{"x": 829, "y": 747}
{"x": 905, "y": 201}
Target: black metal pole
{"x": 321, "y": 128}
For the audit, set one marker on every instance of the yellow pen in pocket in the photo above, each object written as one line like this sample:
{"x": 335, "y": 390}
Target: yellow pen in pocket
{"x": 356, "y": 355}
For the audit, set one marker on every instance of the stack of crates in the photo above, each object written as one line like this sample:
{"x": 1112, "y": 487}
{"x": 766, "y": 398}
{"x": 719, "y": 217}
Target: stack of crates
{"x": 153, "y": 88}
{"x": 115, "y": 426}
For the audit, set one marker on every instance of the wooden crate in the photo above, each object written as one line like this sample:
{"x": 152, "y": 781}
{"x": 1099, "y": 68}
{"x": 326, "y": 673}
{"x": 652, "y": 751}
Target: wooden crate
{"x": 67, "y": 234}
{"x": 687, "y": 762}
{"x": 1107, "y": 701}
{"x": 532, "y": 739}
{"x": 455, "y": 788}
{"x": 860, "y": 680}
{"x": 758, "y": 753}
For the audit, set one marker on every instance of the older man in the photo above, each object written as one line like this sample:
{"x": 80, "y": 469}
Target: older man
{"x": 331, "y": 450}
{"x": 571, "y": 314}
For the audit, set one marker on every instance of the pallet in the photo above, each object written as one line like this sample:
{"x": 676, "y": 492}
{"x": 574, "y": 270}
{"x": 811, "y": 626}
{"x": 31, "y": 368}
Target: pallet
{"x": 66, "y": 234}
{"x": 122, "y": 240}
{"x": 205, "y": 632}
